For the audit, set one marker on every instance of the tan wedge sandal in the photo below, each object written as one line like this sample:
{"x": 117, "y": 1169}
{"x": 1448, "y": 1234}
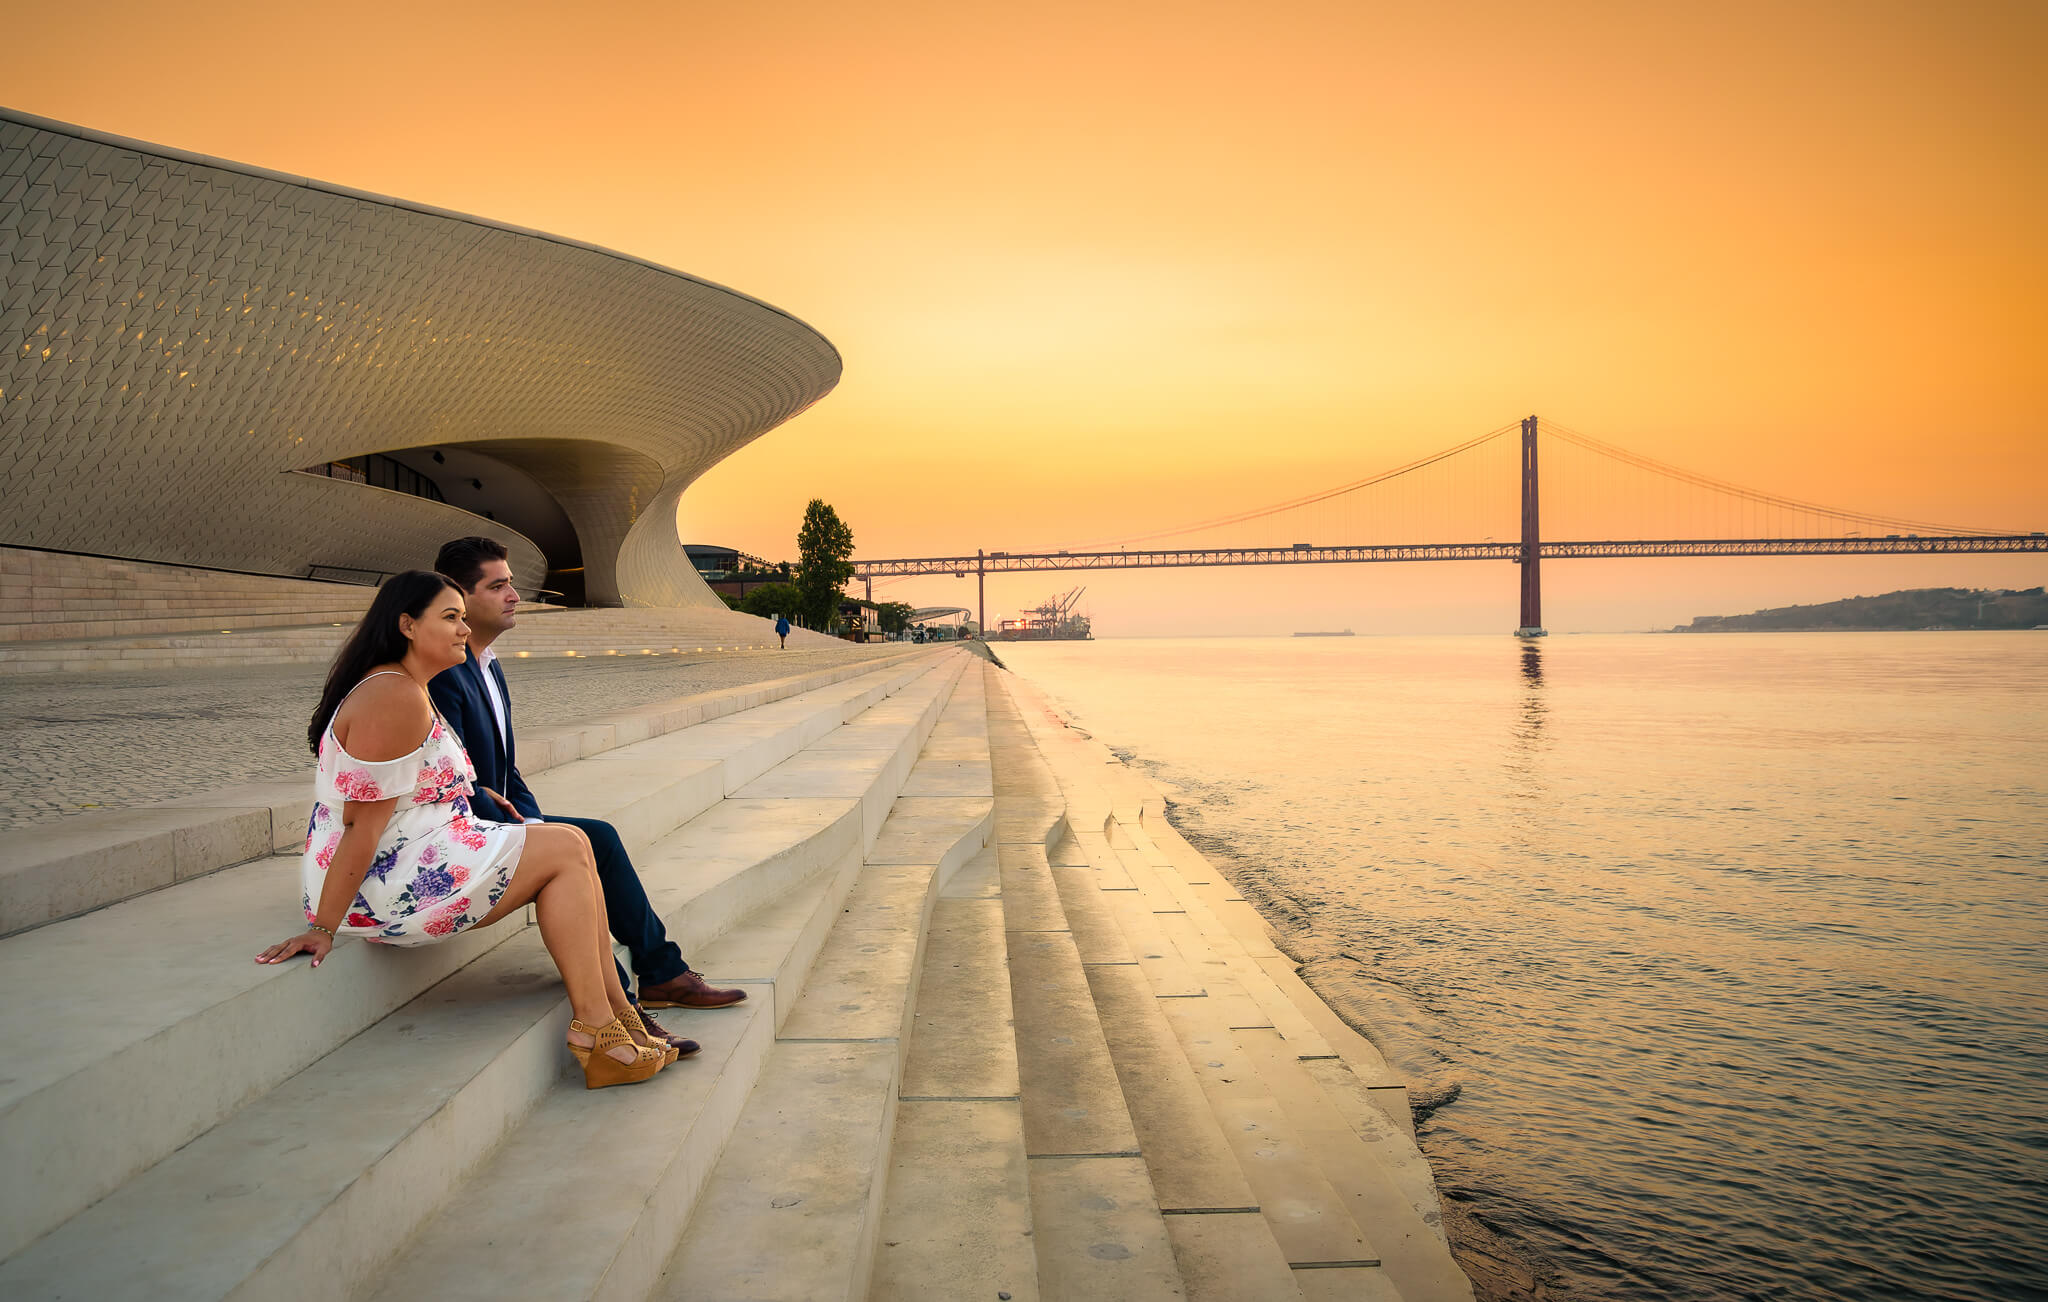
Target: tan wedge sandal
{"x": 600, "y": 1068}
{"x": 645, "y": 1038}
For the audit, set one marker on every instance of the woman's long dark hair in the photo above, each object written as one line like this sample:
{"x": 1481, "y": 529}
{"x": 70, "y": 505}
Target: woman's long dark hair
{"x": 376, "y": 640}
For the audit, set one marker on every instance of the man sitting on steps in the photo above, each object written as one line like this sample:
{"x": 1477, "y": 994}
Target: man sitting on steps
{"x": 474, "y": 700}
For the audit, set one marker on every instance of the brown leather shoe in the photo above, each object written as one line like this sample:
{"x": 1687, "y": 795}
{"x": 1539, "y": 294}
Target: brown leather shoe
{"x": 687, "y": 991}
{"x": 684, "y": 1048}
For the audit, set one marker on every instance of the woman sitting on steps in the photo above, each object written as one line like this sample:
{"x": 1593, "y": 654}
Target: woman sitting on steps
{"x": 393, "y": 856}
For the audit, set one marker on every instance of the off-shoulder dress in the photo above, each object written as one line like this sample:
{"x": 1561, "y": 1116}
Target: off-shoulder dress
{"x": 437, "y": 869}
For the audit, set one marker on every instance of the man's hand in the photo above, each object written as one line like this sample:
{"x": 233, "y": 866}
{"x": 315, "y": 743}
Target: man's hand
{"x": 316, "y": 943}
{"x": 511, "y": 811}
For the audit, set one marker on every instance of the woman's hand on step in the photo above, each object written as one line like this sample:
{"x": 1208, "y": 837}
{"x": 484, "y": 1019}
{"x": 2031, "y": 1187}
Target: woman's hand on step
{"x": 316, "y": 943}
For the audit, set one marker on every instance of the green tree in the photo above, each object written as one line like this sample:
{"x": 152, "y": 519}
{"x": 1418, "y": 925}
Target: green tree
{"x": 771, "y": 599}
{"x": 823, "y": 546}
{"x": 895, "y": 616}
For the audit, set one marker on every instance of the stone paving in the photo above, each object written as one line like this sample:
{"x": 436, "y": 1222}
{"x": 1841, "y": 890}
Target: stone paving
{"x": 78, "y": 743}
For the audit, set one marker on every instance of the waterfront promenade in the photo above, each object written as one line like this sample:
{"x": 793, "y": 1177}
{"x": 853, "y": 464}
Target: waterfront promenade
{"x": 81, "y": 743}
{"x": 1008, "y": 1035}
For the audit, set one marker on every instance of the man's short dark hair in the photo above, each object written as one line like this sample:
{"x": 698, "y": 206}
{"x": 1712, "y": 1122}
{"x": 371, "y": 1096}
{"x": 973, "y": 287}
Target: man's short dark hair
{"x": 463, "y": 559}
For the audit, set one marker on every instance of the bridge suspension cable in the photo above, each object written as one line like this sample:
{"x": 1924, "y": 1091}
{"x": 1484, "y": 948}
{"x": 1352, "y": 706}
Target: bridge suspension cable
{"x": 1595, "y": 504}
{"x": 1309, "y": 499}
{"x": 1602, "y": 500}
{"x": 1694, "y": 479}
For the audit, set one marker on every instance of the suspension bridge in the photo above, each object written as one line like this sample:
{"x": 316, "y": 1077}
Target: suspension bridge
{"x": 1633, "y": 500}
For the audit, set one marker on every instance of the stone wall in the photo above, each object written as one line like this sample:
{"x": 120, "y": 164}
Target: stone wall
{"x": 48, "y": 596}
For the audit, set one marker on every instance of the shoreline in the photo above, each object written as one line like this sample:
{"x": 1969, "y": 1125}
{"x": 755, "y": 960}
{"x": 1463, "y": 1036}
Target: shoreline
{"x": 1132, "y": 797}
{"x": 1497, "y": 1272}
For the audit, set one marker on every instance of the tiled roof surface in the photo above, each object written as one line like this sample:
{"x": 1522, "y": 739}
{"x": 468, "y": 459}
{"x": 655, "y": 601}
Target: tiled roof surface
{"x": 178, "y": 335}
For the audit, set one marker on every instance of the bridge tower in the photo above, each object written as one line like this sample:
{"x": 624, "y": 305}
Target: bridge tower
{"x": 1532, "y": 583}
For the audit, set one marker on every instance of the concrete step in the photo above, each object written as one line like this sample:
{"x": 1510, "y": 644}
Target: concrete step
{"x": 235, "y": 634}
{"x": 1098, "y": 1231}
{"x": 1341, "y": 1186}
{"x": 957, "y": 1219}
{"x": 1199, "y": 1166}
{"x": 1412, "y": 1252}
{"x": 1072, "y": 1102}
{"x": 759, "y": 955}
{"x": 1193, "y": 1169}
{"x": 72, "y": 866}
{"x": 1310, "y": 1220}
{"x": 629, "y": 631}
{"x": 59, "y": 595}
{"x": 620, "y": 1178}
{"x": 198, "y": 647}
{"x": 1323, "y": 1106}
{"x": 795, "y": 1204}
{"x": 864, "y": 985}
{"x": 1329, "y": 1203}
{"x": 415, "y": 1117}
{"x": 575, "y": 1201}
{"x": 160, "y": 1004}
{"x": 1354, "y": 1080}
{"x": 772, "y": 955}
{"x": 1097, "y": 1226}
{"x": 1231, "y": 1257}
{"x": 1248, "y": 1164}
{"x": 1221, "y": 1242}
{"x": 291, "y": 1194}
{"x": 792, "y": 1202}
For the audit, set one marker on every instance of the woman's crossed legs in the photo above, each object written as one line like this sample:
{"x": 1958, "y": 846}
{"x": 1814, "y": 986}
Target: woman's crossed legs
{"x": 558, "y": 875}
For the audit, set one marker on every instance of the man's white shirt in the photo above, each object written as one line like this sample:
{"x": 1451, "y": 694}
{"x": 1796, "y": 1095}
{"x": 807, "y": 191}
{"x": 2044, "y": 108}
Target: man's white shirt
{"x": 484, "y": 660}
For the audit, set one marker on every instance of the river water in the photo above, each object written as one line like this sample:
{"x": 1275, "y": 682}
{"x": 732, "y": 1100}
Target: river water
{"x": 1717, "y": 964}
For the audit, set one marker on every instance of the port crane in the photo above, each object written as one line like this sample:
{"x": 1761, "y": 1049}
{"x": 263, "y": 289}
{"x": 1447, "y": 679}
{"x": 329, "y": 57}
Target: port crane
{"x": 1051, "y": 619}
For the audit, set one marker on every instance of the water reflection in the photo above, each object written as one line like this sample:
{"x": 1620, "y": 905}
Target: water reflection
{"x": 1656, "y": 908}
{"x": 1525, "y": 738}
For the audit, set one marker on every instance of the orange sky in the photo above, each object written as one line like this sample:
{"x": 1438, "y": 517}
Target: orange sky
{"x": 1098, "y": 269}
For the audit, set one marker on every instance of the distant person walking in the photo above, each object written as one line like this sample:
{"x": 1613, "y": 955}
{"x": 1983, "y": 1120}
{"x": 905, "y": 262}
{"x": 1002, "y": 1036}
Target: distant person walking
{"x": 395, "y": 854}
{"x": 782, "y": 630}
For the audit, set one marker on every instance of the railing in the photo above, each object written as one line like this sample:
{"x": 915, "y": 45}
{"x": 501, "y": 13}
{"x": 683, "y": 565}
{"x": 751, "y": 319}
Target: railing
{"x": 1306, "y": 554}
{"x": 345, "y": 574}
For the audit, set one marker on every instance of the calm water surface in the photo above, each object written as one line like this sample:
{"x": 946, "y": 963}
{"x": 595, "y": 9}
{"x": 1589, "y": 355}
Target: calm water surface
{"x": 1718, "y": 965}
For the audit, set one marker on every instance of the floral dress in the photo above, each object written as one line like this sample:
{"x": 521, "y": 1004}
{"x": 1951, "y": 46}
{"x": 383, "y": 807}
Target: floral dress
{"x": 437, "y": 869}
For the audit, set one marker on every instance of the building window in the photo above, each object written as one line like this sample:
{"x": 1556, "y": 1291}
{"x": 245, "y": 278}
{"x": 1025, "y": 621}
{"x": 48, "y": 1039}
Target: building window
{"x": 380, "y": 471}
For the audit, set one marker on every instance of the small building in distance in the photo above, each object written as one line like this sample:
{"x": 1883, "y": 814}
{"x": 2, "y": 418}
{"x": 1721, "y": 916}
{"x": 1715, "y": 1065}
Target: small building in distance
{"x": 949, "y": 621}
{"x": 730, "y": 572}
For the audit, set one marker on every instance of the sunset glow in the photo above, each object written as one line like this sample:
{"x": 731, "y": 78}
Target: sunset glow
{"x": 1096, "y": 270}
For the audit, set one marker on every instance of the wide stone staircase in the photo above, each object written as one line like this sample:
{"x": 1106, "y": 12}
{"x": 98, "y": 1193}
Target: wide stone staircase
{"x": 62, "y": 613}
{"x": 180, "y": 1121}
{"x": 1171, "y": 1113}
{"x": 242, "y": 637}
{"x": 59, "y": 597}
{"x": 998, "y": 1045}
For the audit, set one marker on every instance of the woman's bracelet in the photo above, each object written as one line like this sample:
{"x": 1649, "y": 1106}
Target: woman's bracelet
{"x": 314, "y": 926}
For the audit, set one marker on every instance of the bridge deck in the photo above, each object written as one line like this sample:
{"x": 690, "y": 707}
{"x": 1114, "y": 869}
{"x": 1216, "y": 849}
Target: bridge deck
{"x": 1303, "y": 554}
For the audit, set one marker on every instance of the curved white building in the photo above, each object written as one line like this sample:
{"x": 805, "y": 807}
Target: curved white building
{"x": 206, "y": 364}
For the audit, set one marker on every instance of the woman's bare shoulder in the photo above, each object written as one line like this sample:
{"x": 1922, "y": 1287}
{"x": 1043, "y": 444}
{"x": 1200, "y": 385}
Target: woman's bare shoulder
{"x": 384, "y": 719}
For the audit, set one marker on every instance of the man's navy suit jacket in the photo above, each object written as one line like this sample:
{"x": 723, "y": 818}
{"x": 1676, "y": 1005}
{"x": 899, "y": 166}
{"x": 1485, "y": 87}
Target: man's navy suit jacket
{"x": 460, "y": 697}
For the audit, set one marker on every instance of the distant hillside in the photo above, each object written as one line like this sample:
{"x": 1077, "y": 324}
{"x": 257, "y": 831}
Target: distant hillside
{"x": 1914, "y": 608}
